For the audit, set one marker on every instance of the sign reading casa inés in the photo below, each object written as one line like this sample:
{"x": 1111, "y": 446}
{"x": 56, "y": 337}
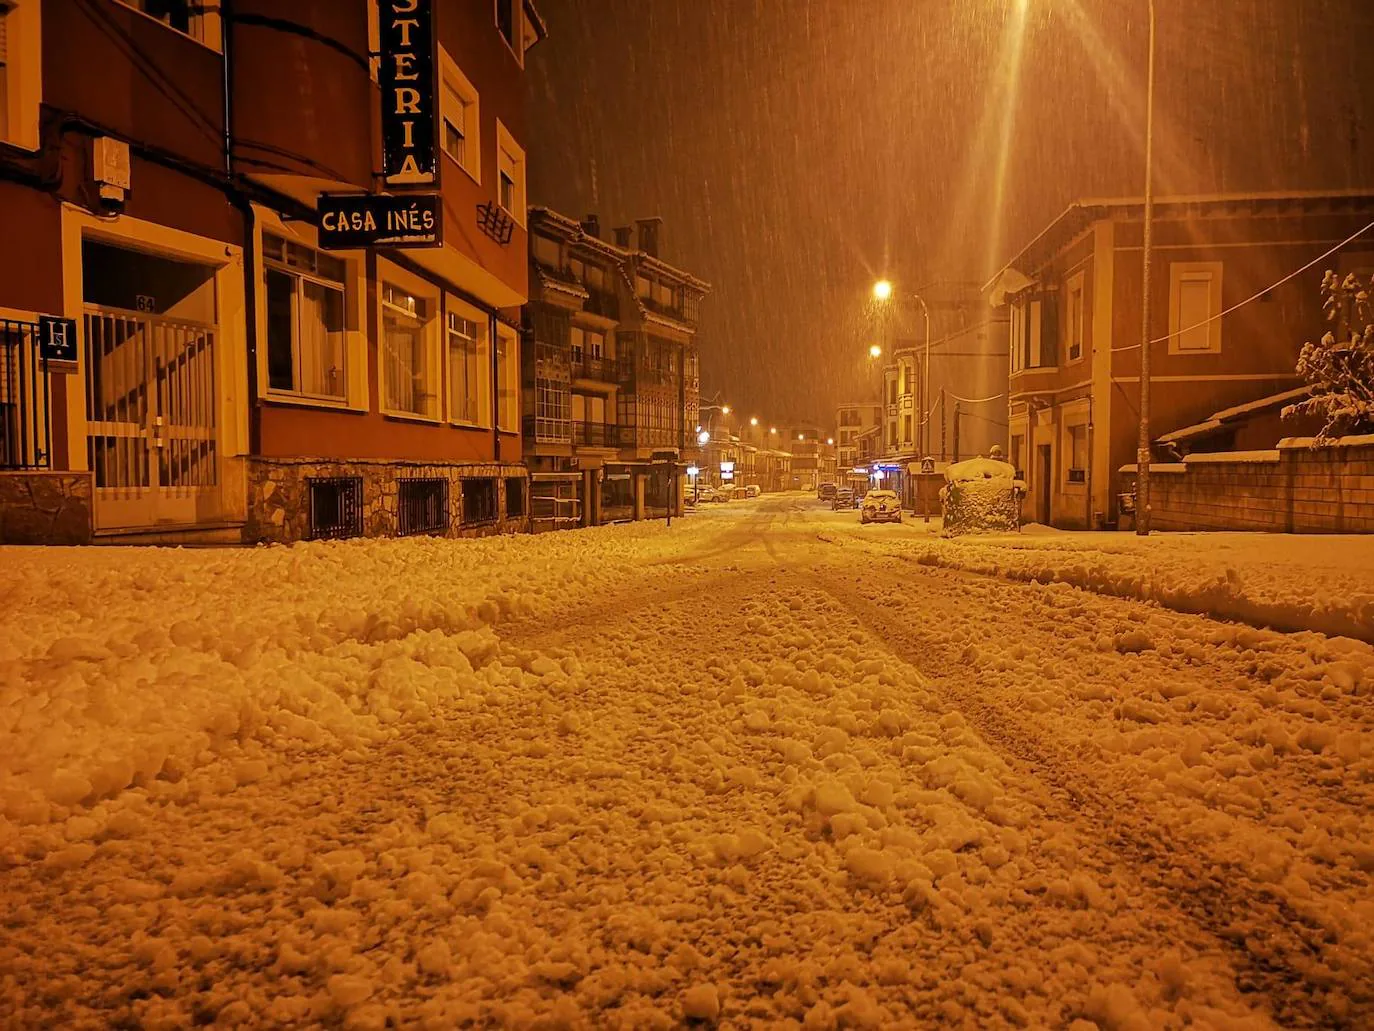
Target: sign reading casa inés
{"x": 379, "y": 219}
{"x": 406, "y": 78}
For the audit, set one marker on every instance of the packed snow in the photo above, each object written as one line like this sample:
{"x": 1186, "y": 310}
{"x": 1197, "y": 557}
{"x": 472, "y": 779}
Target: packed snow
{"x": 766, "y": 767}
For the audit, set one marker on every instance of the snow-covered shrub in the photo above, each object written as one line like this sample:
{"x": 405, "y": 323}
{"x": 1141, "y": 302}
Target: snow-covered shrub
{"x": 980, "y": 495}
{"x": 1340, "y": 367}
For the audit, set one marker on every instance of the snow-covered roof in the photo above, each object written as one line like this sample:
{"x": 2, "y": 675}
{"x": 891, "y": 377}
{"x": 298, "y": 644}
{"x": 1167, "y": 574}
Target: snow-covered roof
{"x": 1217, "y": 420}
{"x": 972, "y": 469}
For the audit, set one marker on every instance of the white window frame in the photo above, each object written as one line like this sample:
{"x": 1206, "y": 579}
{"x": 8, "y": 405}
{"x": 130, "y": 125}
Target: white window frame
{"x": 482, "y": 365}
{"x": 509, "y": 153}
{"x": 211, "y": 30}
{"x": 454, "y": 86}
{"x": 1181, "y": 272}
{"x": 507, "y": 376}
{"x": 302, "y": 276}
{"x": 1075, "y": 285}
{"x": 21, "y": 82}
{"x": 433, "y": 353}
{"x": 355, "y": 315}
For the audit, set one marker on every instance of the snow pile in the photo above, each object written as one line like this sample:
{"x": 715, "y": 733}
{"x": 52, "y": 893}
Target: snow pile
{"x": 980, "y": 496}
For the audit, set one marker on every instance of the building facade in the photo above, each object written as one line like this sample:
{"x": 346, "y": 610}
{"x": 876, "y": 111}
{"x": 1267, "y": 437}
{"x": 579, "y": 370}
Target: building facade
{"x": 852, "y": 421}
{"x": 611, "y": 377}
{"x": 1228, "y": 321}
{"x": 231, "y": 377}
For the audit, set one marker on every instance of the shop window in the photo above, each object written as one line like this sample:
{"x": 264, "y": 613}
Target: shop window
{"x": 410, "y": 378}
{"x": 467, "y": 366}
{"x": 479, "y": 501}
{"x": 305, "y": 293}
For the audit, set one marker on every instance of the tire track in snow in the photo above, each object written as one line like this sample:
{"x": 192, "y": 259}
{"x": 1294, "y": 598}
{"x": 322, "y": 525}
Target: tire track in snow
{"x": 1212, "y": 895}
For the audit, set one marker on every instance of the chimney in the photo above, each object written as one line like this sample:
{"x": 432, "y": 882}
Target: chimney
{"x": 622, "y": 237}
{"x": 648, "y": 235}
{"x": 591, "y": 225}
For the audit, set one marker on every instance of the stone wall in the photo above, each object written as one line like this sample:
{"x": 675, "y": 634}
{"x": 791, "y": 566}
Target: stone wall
{"x": 1295, "y": 488}
{"x": 45, "y": 507}
{"x": 279, "y": 496}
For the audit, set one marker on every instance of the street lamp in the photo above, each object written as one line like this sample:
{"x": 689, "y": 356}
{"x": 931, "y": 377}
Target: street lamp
{"x": 1142, "y": 454}
{"x": 882, "y": 291}
{"x": 753, "y": 420}
{"x": 874, "y": 351}
{"x": 772, "y": 429}
{"x": 704, "y": 437}
{"x": 724, "y": 409}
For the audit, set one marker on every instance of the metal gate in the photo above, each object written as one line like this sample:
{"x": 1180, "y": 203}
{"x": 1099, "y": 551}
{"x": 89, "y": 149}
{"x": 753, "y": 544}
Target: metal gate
{"x": 151, "y": 433}
{"x": 24, "y": 433}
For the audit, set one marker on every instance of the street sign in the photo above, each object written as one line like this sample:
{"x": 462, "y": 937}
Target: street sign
{"x": 57, "y": 338}
{"x": 348, "y": 221}
{"x": 405, "y": 76}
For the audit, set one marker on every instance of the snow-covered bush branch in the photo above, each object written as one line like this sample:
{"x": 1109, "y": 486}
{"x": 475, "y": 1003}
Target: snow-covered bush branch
{"x": 1340, "y": 367}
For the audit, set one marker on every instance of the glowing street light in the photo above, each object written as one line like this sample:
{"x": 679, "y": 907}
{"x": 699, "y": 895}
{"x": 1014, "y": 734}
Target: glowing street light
{"x": 704, "y": 437}
{"x": 875, "y": 351}
{"x": 724, "y": 409}
{"x": 754, "y": 420}
{"x": 801, "y": 436}
{"x": 772, "y": 429}
{"x": 830, "y": 441}
{"x": 882, "y": 290}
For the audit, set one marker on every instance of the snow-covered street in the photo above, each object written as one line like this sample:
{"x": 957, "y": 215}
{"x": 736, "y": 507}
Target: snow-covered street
{"x": 765, "y": 767}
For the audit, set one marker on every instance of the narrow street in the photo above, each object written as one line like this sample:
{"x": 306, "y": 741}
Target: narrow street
{"x": 764, "y": 766}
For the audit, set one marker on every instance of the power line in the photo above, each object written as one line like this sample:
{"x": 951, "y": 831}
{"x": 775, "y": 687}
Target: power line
{"x": 977, "y": 400}
{"x": 1255, "y": 296}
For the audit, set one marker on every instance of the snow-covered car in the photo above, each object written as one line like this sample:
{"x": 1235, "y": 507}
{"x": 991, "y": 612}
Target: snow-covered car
{"x": 705, "y": 494}
{"x": 725, "y": 492}
{"x": 881, "y": 506}
{"x": 825, "y": 492}
{"x": 753, "y": 490}
{"x": 844, "y": 498}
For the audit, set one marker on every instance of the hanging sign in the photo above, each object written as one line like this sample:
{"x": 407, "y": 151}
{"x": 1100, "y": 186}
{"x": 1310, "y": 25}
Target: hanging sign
{"x": 349, "y": 221}
{"x": 406, "y": 78}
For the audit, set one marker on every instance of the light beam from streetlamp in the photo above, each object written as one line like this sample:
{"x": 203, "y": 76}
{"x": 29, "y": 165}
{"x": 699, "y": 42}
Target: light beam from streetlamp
{"x": 882, "y": 290}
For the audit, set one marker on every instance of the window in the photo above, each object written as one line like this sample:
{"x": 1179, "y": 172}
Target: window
{"x": 1194, "y": 303}
{"x": 596, "y": 344}
{"x": 467, "y": 375}
{"x": 510, "y": 174}
{"x": 1018, "y": 449}
{"x": 410, "y": 379}
{"x": 1075, "y": 313}
{"x": 643, "y": 288}
{"x": 336, "y": 506}
{"x": 515, "y": 497}
{"x": 892, "y": 390}
{"x": 576, "y": 342}
{"x": 460, "y": 123}
{"x": 198, "y": 19}
{"x": 21, "y": 77}
{"x": 510, "y": 23}
{"x": 596, "y": 277}
{"x": 507, "y": 380}
{"x": 306, "y": 340}
{"x": 1078, "y": 454}
{"x": 479, "y": 501}
{"x": 421, "y": 506}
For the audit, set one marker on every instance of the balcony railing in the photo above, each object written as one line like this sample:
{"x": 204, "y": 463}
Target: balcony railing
{"x": 547, "y": 431}
{"x": 597, "y": 434}
{"x": 586, "y": 366}
{"x": 602, "y": 302}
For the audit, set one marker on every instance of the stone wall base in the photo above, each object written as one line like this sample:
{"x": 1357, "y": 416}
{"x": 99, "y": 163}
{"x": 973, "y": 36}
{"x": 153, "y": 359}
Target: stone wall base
{"x": 279, "y": 496}
{"x": 38, "y": 507}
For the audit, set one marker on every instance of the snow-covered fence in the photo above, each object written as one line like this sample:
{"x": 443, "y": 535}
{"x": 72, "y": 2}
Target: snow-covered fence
{"x": 1295, "y": 488}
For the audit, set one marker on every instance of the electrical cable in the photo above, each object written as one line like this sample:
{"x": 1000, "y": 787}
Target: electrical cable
{"x": 977, "y": 400}
{"x": 1253, "y": 297}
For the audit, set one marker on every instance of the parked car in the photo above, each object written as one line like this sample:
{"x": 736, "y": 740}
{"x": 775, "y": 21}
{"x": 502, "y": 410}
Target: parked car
{"x": 881, "y": 506}
{"x": 725, "y": 492}
{"x": 705, "y": 493}
{"x": 826, "y": 492}
{"x": 753, "y": 490}
{"x": 844, "y": 498}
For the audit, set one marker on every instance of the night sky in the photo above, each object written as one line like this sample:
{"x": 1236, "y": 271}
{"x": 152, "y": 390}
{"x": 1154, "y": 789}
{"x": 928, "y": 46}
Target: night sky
{"x": 798, "y": 149}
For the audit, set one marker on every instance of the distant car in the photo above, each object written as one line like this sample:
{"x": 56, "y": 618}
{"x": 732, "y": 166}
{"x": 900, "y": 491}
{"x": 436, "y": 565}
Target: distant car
{"x": 705, "y": 493}
{"x": 844, "y": 498}
{"x": 826, "y": 492}
{"x": 881, "y": 506}
{"x": 725, "y": 492}
{"x": 753, "y": 490}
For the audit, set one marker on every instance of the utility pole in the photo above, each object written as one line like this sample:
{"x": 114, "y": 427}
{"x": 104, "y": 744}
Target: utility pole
{"x": 943, "y": 420}
{"x": 1142, "y": 455}
{"x": 956, "y": 431}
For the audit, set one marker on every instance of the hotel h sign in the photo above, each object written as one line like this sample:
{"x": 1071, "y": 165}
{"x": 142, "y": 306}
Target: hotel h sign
{"x": 406, "y": 78}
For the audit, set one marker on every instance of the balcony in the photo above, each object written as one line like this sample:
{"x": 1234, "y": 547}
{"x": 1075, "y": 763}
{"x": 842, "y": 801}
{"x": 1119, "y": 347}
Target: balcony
{"x": 602, "y": 302}
{"x": 597, "y": 434}
{"x": 586, "y": 366}
{"x": 547, "y": 431}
